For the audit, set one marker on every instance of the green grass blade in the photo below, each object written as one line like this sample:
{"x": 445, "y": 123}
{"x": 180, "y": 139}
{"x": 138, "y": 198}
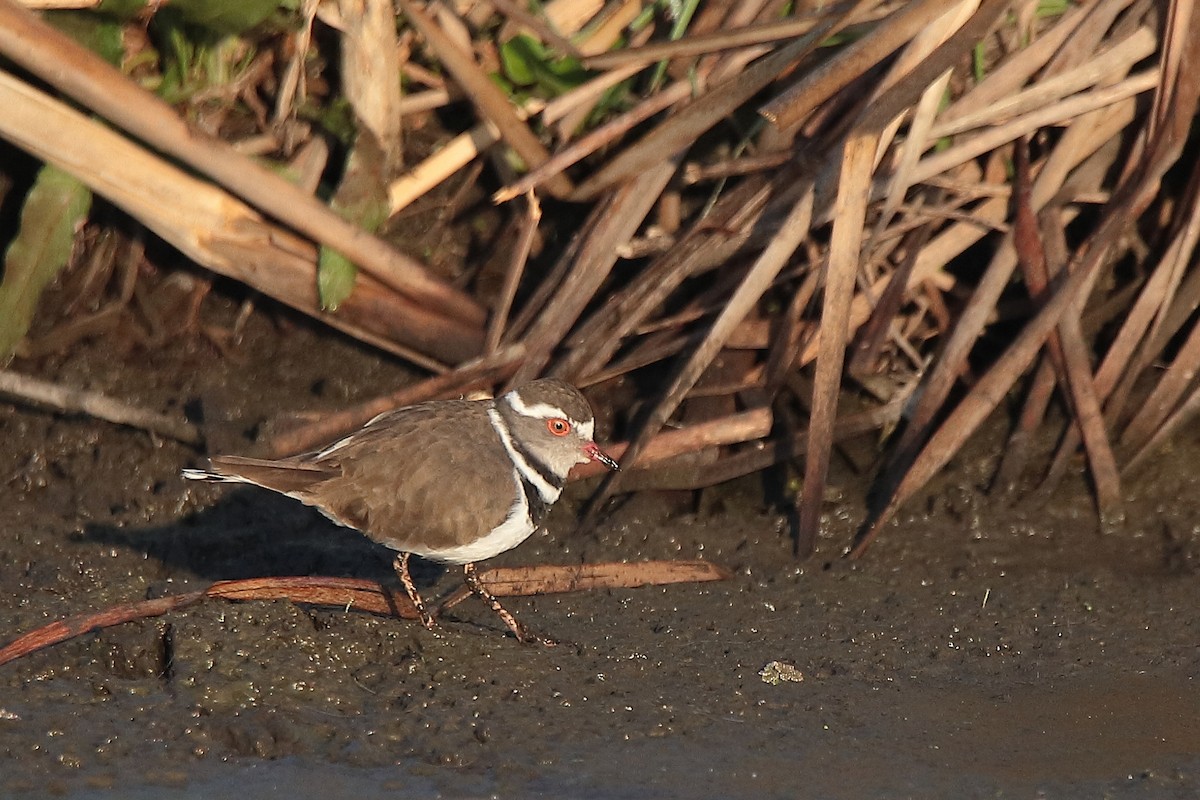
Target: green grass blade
{"x": 54, "y": 210}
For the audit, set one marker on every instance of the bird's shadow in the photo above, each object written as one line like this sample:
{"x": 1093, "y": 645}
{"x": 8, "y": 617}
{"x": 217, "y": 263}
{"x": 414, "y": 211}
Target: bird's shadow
{"x": 253, "y": 533}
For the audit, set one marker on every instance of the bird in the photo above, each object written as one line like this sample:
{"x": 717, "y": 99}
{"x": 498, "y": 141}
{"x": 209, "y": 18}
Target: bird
{"x": 452, "y": 481}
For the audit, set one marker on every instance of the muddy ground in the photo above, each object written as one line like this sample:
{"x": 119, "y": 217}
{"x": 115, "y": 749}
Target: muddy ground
{"x": 979, "y": 651}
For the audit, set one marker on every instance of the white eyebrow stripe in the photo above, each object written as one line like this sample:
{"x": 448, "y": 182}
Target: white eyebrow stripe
{"x": 538, "y": 410}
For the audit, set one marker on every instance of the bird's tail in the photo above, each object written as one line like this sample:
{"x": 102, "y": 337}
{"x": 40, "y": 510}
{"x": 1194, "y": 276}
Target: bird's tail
{"x": 286, "y": 477}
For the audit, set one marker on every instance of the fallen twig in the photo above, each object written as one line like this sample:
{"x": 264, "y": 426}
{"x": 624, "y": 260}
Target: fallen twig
{"x": 69, "y": 400}
{"x": 369, "y": 596}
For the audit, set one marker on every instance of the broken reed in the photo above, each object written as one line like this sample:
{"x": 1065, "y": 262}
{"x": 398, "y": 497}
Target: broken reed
{"x": 809, "y": 223}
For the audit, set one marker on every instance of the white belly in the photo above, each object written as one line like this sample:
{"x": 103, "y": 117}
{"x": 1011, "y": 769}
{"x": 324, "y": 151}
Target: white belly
{"x": 516, "y": 528}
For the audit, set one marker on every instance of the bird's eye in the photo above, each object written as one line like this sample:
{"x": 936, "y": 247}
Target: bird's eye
{"x": 558, "y": 426}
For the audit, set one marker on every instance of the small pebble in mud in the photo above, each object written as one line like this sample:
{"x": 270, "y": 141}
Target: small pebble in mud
{"x": 776, "y": 672}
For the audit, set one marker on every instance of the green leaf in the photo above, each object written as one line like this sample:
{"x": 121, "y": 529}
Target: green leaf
{"x": 519, "y": 57}
{"x": 222, "y": 16}
{"x": 100, "y": 33}
{"x": 361, "y": 198}
{"x": 335, "y": 278}
{"x": 54, "y": 210}
{"x": 124, "y": 9}
{"x": 526, "y": 62}
{"x": 225, "y": 16}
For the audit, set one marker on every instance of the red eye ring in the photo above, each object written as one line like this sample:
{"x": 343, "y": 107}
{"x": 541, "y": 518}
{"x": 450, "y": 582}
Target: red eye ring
{"x": 558, "y": 426}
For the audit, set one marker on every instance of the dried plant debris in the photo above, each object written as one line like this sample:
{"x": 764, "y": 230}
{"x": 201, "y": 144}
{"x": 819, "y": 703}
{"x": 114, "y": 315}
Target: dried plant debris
{"x": 868, "y": 216}
{"x": 369, "y": 596}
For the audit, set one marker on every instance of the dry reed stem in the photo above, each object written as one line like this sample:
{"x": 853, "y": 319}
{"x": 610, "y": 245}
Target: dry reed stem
{"x": 979, "y": 402}
{"x": 1167, "y": 323}
{"x": 585, "y": 95}
{"x": 681, "y": 129}
{"x": 845, "y": 245}
{"x": 747, "y": 294}
{"x": 611, "y": 29}
{"x": 763, "y": 455}
{"x": 219, "y": 231}
{"x": 1055, "y": 114}
{"x": 512, "y": 276}
{"x": 1186, "y": 412}
{"x": 671, "y": 443}
{"x": 1152, "y": 302}
{"x": 570, "y": 16}
{"x": 921, "y": 47}
{"x": 555, "y": 579}
{"x": 1119, "y": 57}
{"x": 594, "y": 140}
{"x": 291, "y": 84}
{"x": 444, "y": 162}
{"x": 1118, "y": 369}
{"x": 1085, "y": 40}
{"x": 694, "y": 45}
{"x": 428, "y": 100}
{"x": 1166, "y": 395}
{"x": 488, "y": 98}
{"x": 69, "y": 400}
{"x": 1015, "y": 456}
{"x": 371, "y": 73}
{"x": 82, "y": 75}
{"x": 465, "y": 147}
{"x": 1079, "y": 142}
{"x": 649, "y": 350}
{"x": 372, "y": 597}
{"x": 709, "y": 243}
{"x": 1012, "y": 73}
{"x": 791, "y": 107}
{"x": 1067, "y": 347}
{"x": 901, "y": 96}
{"x": 612, "y": 222}
{"x": 782, "y": 357}
{"x": 871, "y": 337}
{"x": 1129, "y": 202}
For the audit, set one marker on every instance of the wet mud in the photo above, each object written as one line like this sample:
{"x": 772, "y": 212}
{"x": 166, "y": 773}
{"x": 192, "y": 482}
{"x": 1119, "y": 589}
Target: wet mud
{"x": 980, "y": 650}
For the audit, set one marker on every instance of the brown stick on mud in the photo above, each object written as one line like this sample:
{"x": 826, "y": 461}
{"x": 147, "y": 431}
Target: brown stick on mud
{"x": 69, "y": 400}
{"x": 369, "y": 596}
{"x": 80, "y": 624}
{"x": 553, "y": 579}
{"x": 733, "y": 429}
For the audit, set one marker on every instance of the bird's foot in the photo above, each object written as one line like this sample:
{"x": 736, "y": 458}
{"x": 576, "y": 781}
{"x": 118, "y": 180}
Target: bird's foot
{"x": 527, "y": 636}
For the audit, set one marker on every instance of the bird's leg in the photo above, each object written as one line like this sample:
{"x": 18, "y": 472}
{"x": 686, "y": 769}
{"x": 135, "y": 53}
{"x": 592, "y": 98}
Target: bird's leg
{"x": 410, "y": 588}
{"x": 520, "y": 631}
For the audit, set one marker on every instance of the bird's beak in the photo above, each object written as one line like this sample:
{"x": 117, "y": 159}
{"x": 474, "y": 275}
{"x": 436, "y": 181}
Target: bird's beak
{"x": 596, "y": 454}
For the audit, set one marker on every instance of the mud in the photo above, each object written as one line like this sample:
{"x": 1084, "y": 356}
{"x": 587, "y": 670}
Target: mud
{"x": 981, "y": 650}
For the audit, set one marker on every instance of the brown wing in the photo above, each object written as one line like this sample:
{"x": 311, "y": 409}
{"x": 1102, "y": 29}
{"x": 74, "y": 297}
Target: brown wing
{"x": 433, "y": 473}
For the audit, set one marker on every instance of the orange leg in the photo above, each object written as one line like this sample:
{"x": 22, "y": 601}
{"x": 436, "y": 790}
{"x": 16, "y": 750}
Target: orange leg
{"x": 410, "y": 588}
{"x": 520, "y": 631}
